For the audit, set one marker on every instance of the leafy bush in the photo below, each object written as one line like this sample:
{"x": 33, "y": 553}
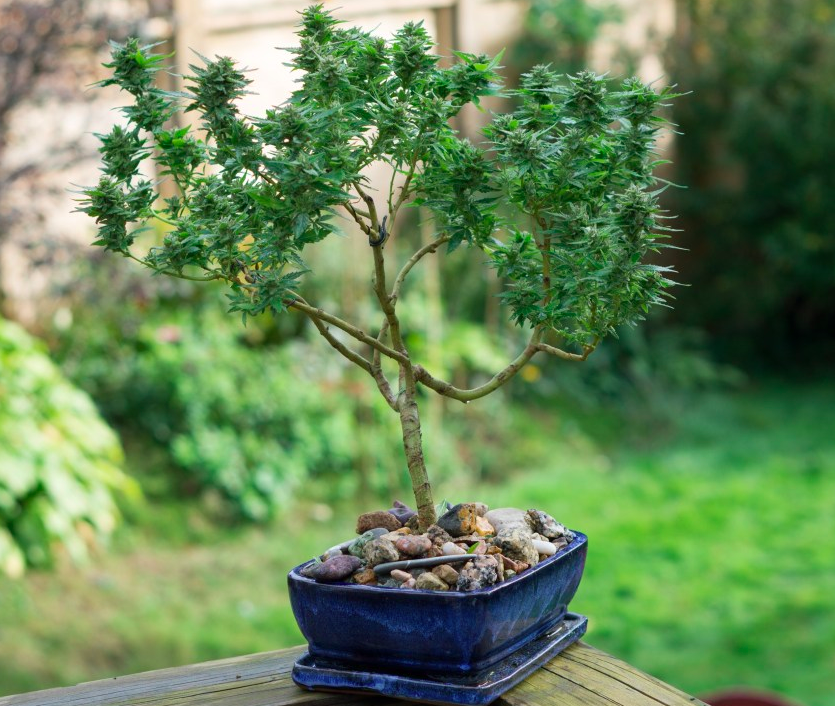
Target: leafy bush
{"x": 60, "y": 464}
{"x": 758, "y": 161}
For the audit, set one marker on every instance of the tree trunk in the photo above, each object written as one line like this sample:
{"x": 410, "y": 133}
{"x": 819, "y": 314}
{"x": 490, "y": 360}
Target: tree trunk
{"x": 413, "y": 446}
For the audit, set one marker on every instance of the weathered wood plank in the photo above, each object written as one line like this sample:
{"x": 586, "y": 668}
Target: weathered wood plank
{"x": 581, "y": 676}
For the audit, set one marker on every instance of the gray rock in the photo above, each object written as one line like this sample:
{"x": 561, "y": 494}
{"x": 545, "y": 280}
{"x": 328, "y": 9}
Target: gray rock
{"x": 438, "y": 536}
{"x": 483, "y": 571}
{"x": 459, "y": 520}
{"x": 481, "y": 509}
{"x": 430, "y": 582}
{"x": 514, "y": 534}
{"x": 380, "y": 518}
{"x": 518, "y": 545}
{"x": 356, "y": 547}
{"x": 507, "y": 518}
{"x": 547, "y": 526}
{"x": 413, "y": 545}
{"x": 337, "y": 568}
{"x": 380, "y": 551}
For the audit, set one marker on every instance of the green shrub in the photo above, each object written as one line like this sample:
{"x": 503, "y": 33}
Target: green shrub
{"x": 60, "y": 464}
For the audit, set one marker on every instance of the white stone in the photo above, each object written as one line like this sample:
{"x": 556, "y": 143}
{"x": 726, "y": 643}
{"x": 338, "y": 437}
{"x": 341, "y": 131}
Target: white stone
{"x": 449, "y": 549}
{"x": 544, "y": 547}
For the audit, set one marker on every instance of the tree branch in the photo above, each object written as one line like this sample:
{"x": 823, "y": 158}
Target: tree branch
{"x": 350, "y": 329}
{"x": 357, "y": 216}
{"x": 565, "y": 355}
{"x": 427, "y": 249}
{"x": 534, "y": 346}
{"x": 448, "y": 390}
{"x": 359, "y": 360}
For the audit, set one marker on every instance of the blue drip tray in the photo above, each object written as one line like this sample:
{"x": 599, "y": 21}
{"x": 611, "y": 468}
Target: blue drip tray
{"x": 474, "y": 689}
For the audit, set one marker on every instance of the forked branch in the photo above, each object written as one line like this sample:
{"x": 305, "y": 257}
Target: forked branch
{"x": 534, "y": 346}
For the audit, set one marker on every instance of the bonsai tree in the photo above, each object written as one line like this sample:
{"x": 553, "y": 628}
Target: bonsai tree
{"x": 559, "y": 197}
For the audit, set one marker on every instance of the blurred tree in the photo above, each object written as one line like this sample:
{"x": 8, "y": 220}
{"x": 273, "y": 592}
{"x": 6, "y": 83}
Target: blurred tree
{"x": 758, "y": 156}
{"x": 561, "y": 33}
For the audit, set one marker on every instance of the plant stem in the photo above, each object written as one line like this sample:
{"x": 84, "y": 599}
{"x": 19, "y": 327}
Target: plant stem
{"x": 413, "y": 446}
{"x": 406, "y": 397}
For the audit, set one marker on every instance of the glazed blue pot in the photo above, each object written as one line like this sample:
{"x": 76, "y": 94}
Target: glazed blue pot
{"x": 437, "y": 632}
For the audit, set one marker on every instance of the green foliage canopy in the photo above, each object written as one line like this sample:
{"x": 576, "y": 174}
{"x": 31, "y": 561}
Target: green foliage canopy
{"x": 574, "y": 160}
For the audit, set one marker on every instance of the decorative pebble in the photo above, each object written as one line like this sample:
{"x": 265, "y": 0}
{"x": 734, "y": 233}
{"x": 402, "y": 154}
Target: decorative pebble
{"x": 459, "y": 519}
{"x": 545, "y": 548}
{"x": 446, "y": 573}
{"x": 438, "y": 536}
{"x": 511, "y": 566}
{"x": 399, "y": 575}
{"x": 517, "y": 544}
{"x": 380, "y": 551}
{"x": 483, "y": 571}
{"x": 450, "y": 549}
{"x": 402, "y": 512}
{"x": 430, "y": 582}
{"x": 331, "y": 553}
{"x": 411, "y": 583}
{"x": 334, "y": 569}
{"x": 413, "y": 545}
{"x": 481, "y": 509}
{"x": 483, "y": 527}
{"x": 380, "y": 518}
{"x": 366, "y": 577}
{"x": 514, "y": 535}
{"x": 356, "y": 547}
{"x": 548, "y": 527}
{"x": 507, "y": 518}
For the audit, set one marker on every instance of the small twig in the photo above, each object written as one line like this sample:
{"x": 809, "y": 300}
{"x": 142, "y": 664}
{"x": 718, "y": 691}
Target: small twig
{"x": 350, "y": 329}
{"x": 427, "y": 249}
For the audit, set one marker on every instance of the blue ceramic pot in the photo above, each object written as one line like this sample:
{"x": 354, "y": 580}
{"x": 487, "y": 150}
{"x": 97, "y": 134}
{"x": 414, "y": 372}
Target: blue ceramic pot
{"x": 454, "y": 633}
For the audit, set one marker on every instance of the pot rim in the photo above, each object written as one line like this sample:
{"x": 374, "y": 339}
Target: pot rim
{"x": 579, "y": 541}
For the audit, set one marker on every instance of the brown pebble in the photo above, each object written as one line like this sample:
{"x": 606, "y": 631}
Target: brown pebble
{"x": 380, "y": 518}
{"x": 413, "y": 545}
{"x": 411, "y": 583}
{"x": 446, "y": 573}
{"x": 366, "y": 577}
{"x": 399, "y": 575}
{"x": 513, "y": 565}
{"x": 431, "y": 582}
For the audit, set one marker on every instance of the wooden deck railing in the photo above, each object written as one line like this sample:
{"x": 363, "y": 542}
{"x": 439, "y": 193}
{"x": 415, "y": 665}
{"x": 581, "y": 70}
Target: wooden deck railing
{"x": 580, "y": 676}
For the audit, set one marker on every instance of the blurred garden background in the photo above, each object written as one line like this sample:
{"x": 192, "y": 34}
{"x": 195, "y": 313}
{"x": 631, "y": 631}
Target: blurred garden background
{"x": 162, "y": 466}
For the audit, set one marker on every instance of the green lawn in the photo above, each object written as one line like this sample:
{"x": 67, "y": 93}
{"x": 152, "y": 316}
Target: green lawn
{"x": 711, "y": 562}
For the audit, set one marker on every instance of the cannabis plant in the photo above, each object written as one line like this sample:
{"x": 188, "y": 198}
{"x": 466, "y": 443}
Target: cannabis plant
{"x": 559, "y": 197}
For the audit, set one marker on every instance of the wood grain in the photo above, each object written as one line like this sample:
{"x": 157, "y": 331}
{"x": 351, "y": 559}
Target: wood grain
{"x": 580, "y": 676}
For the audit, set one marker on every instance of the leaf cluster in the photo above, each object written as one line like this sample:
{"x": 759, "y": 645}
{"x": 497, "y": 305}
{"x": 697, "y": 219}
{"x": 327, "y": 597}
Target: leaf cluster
{"x": 573, "y": 164}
